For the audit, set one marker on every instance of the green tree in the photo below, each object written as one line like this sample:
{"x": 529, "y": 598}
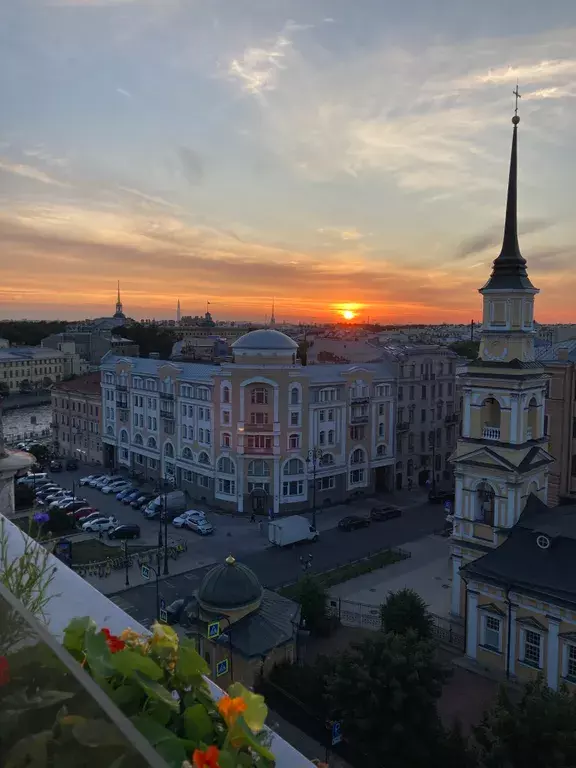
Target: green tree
{"x": 405, "y": 610}
{"x": 4, "y": 389}
{"x": 384, "y": 692}
{"x": 312, "y": 598}
{"x": 23, "y": 496}
{"x": 40, "y": 452}
{"x": 469, "y": 349}
{"x": 538, "y": 731}
{"x": 150, "y": 338}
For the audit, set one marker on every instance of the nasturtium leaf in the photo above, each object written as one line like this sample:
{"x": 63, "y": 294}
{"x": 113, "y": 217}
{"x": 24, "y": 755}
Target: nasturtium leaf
{"x": 227, "y": 760}
{"x": 190, "y": 664}
{"x": 75, "y": 632}
{"x": 98, "y": 733}
{"x": 256, "y": 710}
{"x": 125, "y": 662}
{"x": 173, "y": 752}
{"x": 197, "y": 723}
{"x": 159, "y": 711}
{"x": 98, "y": 654}
{"x": 155, "y": 691}
{"x": 152, "y": 730}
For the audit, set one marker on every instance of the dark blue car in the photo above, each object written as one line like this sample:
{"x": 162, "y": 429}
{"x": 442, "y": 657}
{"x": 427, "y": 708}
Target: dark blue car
{"x": 132, "y": 496}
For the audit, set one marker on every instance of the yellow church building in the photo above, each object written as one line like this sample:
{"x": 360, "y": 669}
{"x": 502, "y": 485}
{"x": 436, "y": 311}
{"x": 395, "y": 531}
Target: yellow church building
{"x": 513, "y": 557}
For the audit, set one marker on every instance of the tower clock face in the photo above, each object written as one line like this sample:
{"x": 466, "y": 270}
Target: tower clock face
{"x": 496, "y": 349}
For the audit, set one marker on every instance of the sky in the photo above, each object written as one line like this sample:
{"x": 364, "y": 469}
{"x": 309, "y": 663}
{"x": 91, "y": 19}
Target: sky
{"x": 328, "y": 154}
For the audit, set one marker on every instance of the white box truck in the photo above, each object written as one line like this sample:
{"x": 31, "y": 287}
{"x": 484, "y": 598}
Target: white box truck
{"x": 291, "y": 530}
{"x": 175, "y": 504}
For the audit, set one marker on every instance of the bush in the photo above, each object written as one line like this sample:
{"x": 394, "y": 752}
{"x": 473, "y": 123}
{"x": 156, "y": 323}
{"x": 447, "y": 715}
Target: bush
{"x": 23, "y": 497}
{"x": 405, "y": 610}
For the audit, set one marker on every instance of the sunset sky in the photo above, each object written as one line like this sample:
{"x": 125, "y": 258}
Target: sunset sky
{"x": 325, "y": 152}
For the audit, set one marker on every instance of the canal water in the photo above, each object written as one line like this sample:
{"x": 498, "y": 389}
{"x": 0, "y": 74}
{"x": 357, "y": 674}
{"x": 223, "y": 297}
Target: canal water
{"x": 18, "y": 422}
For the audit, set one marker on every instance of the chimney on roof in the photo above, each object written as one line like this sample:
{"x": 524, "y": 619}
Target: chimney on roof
{"x": 563, "y": 353}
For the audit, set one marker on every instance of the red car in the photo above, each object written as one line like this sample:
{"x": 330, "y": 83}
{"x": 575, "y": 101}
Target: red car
{"x": 80, "y": 514}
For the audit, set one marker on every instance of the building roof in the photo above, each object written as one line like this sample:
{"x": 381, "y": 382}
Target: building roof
{"x": 149, "y": 366}
{"x": 86, "y": 385}
{"x": 16, "y": 354}
{"x": 523, "y": 564}
{"x": 509, "y": 269}
{"x": 551, "y": 352}
{"x": 321, "y": 373}
{"x": 229, "y": 586}
{"x": 271, "y": 625}
{"x": 264, "y": 339}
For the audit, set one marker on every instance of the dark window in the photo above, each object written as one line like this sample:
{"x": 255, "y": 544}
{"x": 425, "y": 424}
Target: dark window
{"x": 423, "y": 415}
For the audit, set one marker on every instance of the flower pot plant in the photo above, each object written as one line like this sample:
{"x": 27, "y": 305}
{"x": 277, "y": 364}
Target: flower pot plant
{"x": 158, "y": 681}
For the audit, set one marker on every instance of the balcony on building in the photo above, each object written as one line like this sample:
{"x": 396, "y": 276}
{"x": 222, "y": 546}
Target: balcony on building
{"x": 167, "y": 411}
{"x": 491, "y": 418}
{"x": 402, "y": 426}
{"x": 363, "y": 418}
{"x": 121, "y": 388}
{"x": 452, "y": 418}
{"x": 360, "y": 396}
{"x": 70, "y": 597}
{"x": 123, "y": 415}
{"x": 166, "y": 395}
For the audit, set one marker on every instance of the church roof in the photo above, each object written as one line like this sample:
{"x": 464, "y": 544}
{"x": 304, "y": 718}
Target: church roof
{"x": 523, "y": 564}
{"x": 509, "y": 269}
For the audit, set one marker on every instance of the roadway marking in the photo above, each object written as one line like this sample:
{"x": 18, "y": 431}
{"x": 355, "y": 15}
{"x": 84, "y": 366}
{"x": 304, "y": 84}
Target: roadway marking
{"x": 190, "y": 577}
{"x": 122, "y": 603}
{"x": 169, "y": 585}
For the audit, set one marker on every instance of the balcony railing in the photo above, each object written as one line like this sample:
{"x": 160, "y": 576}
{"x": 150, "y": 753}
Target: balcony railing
{"x": 359, "y": 399}
{"x": 166, "y": 395}
{"x": 402, "y": 426}
{"x": 121, "y": 388}
{"x": 167, "y": 413}
{"x": 122, "y": 404}
{"x": 255, "y": 428}
{"x": 452, "y": 418}
{"x": 363, "y": 419}
{"x": 259, "y": 451}
{"x": 491, "y": 433}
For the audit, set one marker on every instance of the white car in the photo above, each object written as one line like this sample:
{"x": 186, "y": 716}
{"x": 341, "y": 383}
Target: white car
{"x": 96, "y": 479}
{"x": 191, "y": 514}
{"x": 58, "y": 496}
{"x": 199, "y": 525}
{"x": 62, "y": 500}
{"x": 32, "y": 479}
{"x": 88, "y": 479}
{"x": 100, "y": 524}
{"x": 107, "y": 480}
{"x": 116, "y": 487}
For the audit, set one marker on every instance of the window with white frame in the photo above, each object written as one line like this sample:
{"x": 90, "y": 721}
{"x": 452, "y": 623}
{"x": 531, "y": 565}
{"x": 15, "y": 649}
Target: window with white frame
{"x": 322, "y": 438}
{"x": 356, "y": 477}
{"x": 152, "y": 464}
{"x": 322, "y": 415}
{"x": 203, "y": 458}
{"x": 259, "y": 396}
{"x": 569, "y": 671}
{"x": 358, "y": 456}
{"x": 330, "y": 414}
{"x": 187, "y": 454}
{"x": 331, "y": 437}
{"x": 326, "y": 483}
{"x": 382, "y": 390}
{"x": 293, "y": 488}
{"x": 226, "y": 394}
{"x": 225, "y": 417}
{"x": 261, "y": 486}
{"x": 294, "y": 396}
{"x": 259, "y": 441}
{"x": 226, "y": 440}
{"x": 531, "y": 647}
{"x": 294, "y": 442}
{"x": 226, "y": 466}
{"x": 381, "y": 450}
{"x": 187, "y": 475}
{"x": 327, "y": 460}
{"x": 327, "y": 395}
{"x": 204, "y": 481}
{"x": 226, "y": 487}
{"x": 492, "y": 632}
{"x": 201, "y": 435}
{"x": 258, "y": 468}
{"x": 203, "y": 393}
{"x": 294, "y": 418}
{"x": 258, "y": 418}
{"x": 294, "y": 467}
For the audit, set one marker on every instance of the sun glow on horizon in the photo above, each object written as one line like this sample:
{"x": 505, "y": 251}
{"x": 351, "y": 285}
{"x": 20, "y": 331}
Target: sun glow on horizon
{"x": 348, "y": 314}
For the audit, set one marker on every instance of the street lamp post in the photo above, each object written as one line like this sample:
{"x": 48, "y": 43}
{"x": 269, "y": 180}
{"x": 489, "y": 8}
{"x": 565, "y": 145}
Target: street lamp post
{"x": 312, "y": 460}
{"x": 126, "y": 563}
{"x": 433, "y": 447}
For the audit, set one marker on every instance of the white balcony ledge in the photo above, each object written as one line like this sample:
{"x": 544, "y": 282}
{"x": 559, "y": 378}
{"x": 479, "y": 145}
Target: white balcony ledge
{"x": 491, "y": 433}
{"x": 72, "y": 597}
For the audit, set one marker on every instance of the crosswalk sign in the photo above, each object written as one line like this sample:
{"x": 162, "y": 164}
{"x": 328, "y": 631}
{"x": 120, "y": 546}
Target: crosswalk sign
{"x": 222, "y": 667}
{"x": 336, "y": 732}
{"x": 145, "y": 572}
{"x": 162, "y": 604}
{"x": 163, "y": 615}
{"x": 213, "y": 630}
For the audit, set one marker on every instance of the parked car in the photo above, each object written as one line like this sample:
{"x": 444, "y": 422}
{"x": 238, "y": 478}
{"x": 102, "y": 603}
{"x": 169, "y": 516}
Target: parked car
{"x": 32, "y": 479}
{"x": 72, "y": 464}
{"x": 100, "y": 524}
{"x": 191, "y": 514}
{"x": 199, "y": 525}
{"x": 124, "y": 492}
{"x": 83, "y": 513}
{"x": 56, "y": 466}
{"x": 352, "y": 522}
{"x": 117, "y": 485}
{"x": 57, "y": 496}
{"x": 125, "y": 532}
{"x": 107, "y": 480}
{"x": 132, "y": 496}
{"x": 73, "y": 505}
{"x": 385, "y": 512}
{"x": 62, "y": 500}
{"x": 46, "y": 490}
{"x": 91, "y": 516}
{"x": 141, "y": 501}
{"x": 96, "y": 479}
{"x": 85, "y": 480}
{"x": 439, "y": 497}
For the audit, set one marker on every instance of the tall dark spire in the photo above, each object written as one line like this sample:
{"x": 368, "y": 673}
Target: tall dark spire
{"x": 509, "y": 269}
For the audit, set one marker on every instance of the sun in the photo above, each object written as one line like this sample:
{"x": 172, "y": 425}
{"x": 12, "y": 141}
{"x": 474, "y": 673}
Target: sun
{"x": 347, "y": 314}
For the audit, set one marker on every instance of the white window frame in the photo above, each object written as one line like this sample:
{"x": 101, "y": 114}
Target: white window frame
{"x": 486, "y": 616}
{"x": 259, "y": 396}
{"x": 294, "y": 442}
{"x": 226, "y": 486}
{"x": 566, "y": 648}
{"x": 361, "y": 476}
{"x": 529, "y": 663}
{"x": 293, "y": 485}
{"x": 327, "y": 483}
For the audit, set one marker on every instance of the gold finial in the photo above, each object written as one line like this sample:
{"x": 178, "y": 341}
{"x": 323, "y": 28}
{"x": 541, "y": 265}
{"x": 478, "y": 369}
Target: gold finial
{"x": 516, "y": 93}
{"x": 230, "y": 560}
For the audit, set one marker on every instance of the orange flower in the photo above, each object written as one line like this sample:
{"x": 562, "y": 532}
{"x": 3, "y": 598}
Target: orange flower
{"x": 207, "y": 758}
{"x": 113, "y": 641}
{"x": 230, "y": 709}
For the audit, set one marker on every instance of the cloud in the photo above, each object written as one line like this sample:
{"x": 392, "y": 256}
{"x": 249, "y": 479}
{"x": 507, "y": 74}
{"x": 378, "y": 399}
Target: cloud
{"x": 153, "y": 199}
{"x": 492, "y": 237}
{"x": 191, "y": 165}
{"x": 347, "y": 233}
{"x": 30, "y": 172}
{"x": 124, "y": 92}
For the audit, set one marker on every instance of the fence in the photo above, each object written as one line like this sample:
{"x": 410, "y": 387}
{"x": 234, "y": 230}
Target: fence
{"x": 365, "y": 616}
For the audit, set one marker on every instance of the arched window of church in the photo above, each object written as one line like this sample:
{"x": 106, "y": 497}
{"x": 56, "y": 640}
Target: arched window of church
{"x": 485, "y": 504}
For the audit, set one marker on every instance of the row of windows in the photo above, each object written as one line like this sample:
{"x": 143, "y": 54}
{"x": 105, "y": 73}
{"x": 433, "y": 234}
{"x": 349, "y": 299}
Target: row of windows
{"x": 427, "y": 369}
{"x": 425, "y": 390}
{"x": 436, "y": 412}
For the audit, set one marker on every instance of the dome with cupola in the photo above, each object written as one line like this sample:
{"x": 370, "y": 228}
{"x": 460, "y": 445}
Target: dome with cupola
{"x": 229, "y": 587}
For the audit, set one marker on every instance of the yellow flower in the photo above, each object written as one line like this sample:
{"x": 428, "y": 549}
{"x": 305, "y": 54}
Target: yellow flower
{"x": 164, "y": 635}
{"x": 254, "y": 711}
{"x": 131, "y": 637}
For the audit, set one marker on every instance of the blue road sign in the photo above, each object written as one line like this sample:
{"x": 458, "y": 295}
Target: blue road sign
{"x": 162, "y": 604}
{"x": 336, "y": 732}
{"x": 163, "y": 616}
{"x": 145, "y": 572}
{"x": 448, "y": 507}
{"x": 221, "y": 667}
{"x": 214, "y": 630}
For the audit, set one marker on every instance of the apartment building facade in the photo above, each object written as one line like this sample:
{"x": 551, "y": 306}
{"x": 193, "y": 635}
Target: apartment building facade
{"x": 427, "y": 413}
{"x": 76, "y": 418}
{"x": 559, "y": 361}
{"x": 260, "y": 432}
{"x": 31, "y": 368}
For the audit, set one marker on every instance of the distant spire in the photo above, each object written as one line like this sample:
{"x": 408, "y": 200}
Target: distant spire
{"x": 509, "y": 269}
{"x": 178, "y": 315}
{"x": 119, "y": 312}
{"x": 273, "y": 316}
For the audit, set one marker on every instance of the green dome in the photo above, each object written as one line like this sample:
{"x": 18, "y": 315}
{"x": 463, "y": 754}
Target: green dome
{"x": 230, "y": 586}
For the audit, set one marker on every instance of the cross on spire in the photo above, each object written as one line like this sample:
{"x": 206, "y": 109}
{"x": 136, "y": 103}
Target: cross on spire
{"x": 518, "y": 96}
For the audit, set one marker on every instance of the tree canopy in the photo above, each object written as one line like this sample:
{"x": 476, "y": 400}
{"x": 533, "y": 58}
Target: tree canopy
{"x": 150, "y": 338}
{"x": 405, "y": 610}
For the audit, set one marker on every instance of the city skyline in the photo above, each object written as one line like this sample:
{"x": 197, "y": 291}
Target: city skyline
{"x": 332, "y": 157}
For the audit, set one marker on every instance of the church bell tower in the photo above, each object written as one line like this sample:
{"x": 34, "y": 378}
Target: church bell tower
{"x": 501, "y": 456}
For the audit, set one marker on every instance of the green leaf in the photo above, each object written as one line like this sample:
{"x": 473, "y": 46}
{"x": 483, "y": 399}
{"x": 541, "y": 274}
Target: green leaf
{"x": 98, "y": 654}
{"x": 125, "y": 695}
{"x": 155, "y": 733}
{"x": 241, "y": 730}
{"x": 198, "y": 724}
{"x": 256, "y": 710}
{"x": 190, "y": 664}
{"x": 23, "y": 701}
{"x": 125, "y": 662}
{"x": 29, "y": 752}
{"x": 98, "y": 733}
{"x": 173, "y": 752}
{"x": 155, "y": 690}
{"x": 227, "y": 760}
{"x": 75, "y": 632}
{"x": 159, "y": 712}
